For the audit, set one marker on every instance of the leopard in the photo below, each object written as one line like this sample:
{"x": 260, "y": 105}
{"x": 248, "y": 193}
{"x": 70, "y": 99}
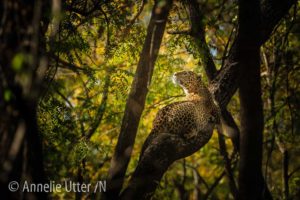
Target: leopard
{"x": 196, "y": 114}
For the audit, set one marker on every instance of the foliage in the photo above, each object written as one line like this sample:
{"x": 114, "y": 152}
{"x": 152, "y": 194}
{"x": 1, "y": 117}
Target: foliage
{"x": 100, "y": 41}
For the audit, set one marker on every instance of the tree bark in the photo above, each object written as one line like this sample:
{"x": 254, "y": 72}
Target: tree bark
{"x": 161, "y": 152}
{"x": 136, "y": 100}
{"x": 251, "y": 111}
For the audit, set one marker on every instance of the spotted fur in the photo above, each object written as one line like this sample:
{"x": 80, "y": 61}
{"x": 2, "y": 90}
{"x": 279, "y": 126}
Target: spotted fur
{"x": 196, "y": 114}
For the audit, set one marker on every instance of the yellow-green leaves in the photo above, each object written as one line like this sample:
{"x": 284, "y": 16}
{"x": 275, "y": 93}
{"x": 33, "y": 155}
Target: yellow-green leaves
{"x": 7, "y": 95}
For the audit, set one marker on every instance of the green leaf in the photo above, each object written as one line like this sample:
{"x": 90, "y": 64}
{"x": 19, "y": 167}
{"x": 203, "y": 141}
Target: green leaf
{"x": 7, "y": 95}
{"x": 17, "y": 62}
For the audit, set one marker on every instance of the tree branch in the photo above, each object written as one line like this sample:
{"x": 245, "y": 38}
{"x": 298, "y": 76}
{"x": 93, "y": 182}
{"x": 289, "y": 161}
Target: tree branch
{"x": 137, "y": 96}
{"x": 179, "y": 32}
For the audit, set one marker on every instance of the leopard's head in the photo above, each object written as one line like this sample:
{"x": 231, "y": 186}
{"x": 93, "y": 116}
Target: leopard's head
{"x": 188, "y": 80}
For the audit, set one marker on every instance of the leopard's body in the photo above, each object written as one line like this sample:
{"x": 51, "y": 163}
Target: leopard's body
{"x": 197, "y": 113}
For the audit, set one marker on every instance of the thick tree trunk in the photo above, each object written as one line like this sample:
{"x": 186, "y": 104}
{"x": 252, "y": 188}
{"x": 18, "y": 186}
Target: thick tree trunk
{"x": 251, "y": 181}
{"x": 248, "y": 57}
{"x": 250, "y": 175}
{"x": 136, "y": 100}
{"x": 21, "y": 148}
